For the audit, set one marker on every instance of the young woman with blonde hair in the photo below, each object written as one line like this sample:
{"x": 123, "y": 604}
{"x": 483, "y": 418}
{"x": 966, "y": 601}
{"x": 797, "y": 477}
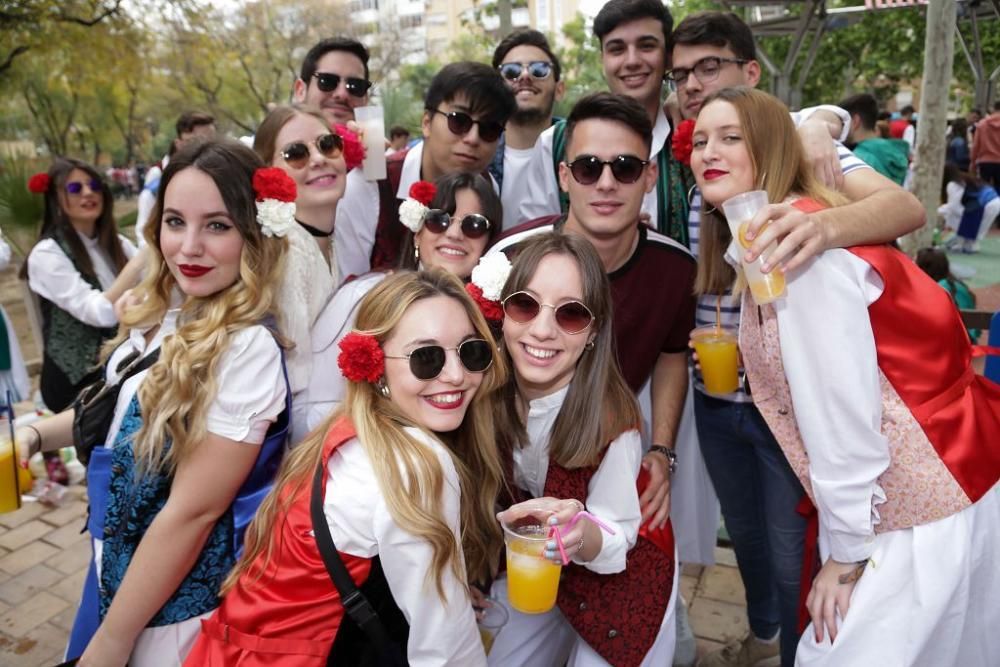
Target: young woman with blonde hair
{"x": 571, "y": 425}
{"x": 196, "y": 435}
{"x": 407, "y": 475}
{"x": 862, "y": 372}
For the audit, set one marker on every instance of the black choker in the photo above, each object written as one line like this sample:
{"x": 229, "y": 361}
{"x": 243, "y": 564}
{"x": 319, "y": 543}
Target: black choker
{"x": 315, "y": 232}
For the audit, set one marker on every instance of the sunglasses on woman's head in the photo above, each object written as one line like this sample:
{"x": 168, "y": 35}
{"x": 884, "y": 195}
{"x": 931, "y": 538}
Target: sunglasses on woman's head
{"x": 537, "y": 69}
{"x": 459, "y": 123}
{"x": 296, "y": 154}
{"x": 427, "y": 362}
{"x": 76, "y": 187}
{"x": 328, "y": 83}
{"x": 587, "y": 169}
{"x": 572, "y": 317}
{"x": 474, "y": 225}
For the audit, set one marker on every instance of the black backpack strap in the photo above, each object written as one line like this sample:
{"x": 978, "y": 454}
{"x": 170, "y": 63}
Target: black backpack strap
{"x": 356, "y": 605}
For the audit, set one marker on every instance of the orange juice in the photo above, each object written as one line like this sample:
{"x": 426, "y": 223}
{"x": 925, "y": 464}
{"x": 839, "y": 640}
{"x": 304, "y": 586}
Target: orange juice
{"x": 10, "y": 493}
{"x": 487, "y": 637}
{"x": 717, "y": 356}
{"x": 532, "y": 579}
{"x": 765, "y": 287}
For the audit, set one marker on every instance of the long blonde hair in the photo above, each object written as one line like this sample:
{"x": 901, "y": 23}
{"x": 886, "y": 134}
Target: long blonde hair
{"x": 180, "y": 386}
{"x": 779, "y": 167}
{"x": 408, "y": 472}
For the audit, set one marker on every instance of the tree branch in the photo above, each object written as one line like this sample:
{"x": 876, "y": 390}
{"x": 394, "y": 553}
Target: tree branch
{"x": 68, "y": 18}
{"x": 9, "y": 60}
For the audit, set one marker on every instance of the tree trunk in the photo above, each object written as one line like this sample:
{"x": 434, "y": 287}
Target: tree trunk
{"x": 504, "y": 12}
{"x": 939, "y": 55}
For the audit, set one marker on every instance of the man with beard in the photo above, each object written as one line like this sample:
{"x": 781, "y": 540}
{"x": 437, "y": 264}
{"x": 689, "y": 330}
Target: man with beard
{"x": 531, "y": 70}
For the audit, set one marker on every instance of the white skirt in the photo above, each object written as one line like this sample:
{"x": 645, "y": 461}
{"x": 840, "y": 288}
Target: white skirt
{"x": 929, "y": 598}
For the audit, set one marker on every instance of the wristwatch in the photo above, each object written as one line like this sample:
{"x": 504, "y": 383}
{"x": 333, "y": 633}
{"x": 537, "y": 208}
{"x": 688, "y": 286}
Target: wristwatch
{"x": 669, "y": 453}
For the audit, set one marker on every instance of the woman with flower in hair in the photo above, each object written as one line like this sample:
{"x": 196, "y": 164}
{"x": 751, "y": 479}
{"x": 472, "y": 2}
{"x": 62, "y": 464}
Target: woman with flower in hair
{"x": 402, "y": 479}
{"x": 863, "y": 373}
{"x": 299, "y": 140}
{"x": 448, "y": 224}
{"x": 198, "y": 427}
{"x": 78, "y": 268}
{"x": 571, "y": 425}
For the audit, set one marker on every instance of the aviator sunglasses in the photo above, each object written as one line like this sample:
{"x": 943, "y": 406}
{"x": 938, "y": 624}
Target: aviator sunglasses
{"x": 474, "y": 226}
{"x": 328, "y": 83}
{"x": 76, "y": 187}
{"x": 572, "y": 317}
{"x": 296, "y": 154}
{"x": 587, "y": 169}
{"x": 460, "y": 123}
{"x": 537, "y": 69}
{"x": 427, "y": 362}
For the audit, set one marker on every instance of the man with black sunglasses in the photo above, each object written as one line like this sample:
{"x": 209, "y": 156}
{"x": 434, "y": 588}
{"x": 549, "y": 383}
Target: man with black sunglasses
{"x": 334, "y": 78}
{"x": 465, "y": 109}
{"x": 531, "y": 69}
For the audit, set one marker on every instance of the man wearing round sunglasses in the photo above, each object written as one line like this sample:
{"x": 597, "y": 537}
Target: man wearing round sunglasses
{"x": 334, "y": 78}
{"x": 651, "y": 275}
{"x": 531, "y": 70}
{"x": 466, "y": 107}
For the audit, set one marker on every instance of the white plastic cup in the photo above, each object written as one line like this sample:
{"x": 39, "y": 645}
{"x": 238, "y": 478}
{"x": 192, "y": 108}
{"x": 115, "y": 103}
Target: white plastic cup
{"x": 371, "y": 120}
{"x": 739, "y": 211}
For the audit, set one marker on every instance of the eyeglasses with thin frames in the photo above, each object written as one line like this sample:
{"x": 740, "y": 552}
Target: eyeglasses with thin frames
{"x": 705, "y": 70}
{"x": 427, "y": 361}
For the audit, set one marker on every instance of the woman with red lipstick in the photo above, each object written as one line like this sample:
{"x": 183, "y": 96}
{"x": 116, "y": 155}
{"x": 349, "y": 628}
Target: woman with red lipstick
{"x": 575, "y": 442}
{"x": 863, "y": 373}
{"x": 200, "y": 415}
{"x": 403, "y": 478}
{"x": 461, "y": 218}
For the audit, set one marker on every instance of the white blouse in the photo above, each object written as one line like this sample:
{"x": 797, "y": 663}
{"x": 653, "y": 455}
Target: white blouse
{"x": 441, "y": 633}
{"x": 52, "y": 276}
{"x": 611, "y": 494}
{"x": 828, "y": 351}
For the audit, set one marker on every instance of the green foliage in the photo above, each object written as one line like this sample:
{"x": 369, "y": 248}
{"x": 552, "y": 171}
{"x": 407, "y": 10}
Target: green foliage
{"x": 20, "y": 210}
{"x": 581, "y": 64}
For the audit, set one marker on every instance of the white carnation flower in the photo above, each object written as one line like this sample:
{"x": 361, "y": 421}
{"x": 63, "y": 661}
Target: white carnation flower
{"x": 491, "y": 273}
{"x": 276, "y": 217}
{"x": 411, "y": 214}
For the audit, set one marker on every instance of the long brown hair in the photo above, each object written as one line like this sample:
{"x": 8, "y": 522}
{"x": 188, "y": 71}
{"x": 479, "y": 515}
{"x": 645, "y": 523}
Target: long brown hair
{"x": 779, "y": 167}
{"x": 409, "y": 474}
{"x": 54, "y": 219}
{"x": 599, "y": 405}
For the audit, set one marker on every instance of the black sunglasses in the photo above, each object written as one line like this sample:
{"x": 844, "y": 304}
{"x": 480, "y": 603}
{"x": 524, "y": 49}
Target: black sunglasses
{"x": 537, "y": 69}
{"x": 460, "y": 123}
{"x": 473, "y": 225}
{"x": 572, "y": 317}
{"x": 296, "y": 154}
{"x": 427, "y": 362}
{"x": 76, "y": 187}
{"x": 587, "y": 169}
{"x": 328, "y": 83}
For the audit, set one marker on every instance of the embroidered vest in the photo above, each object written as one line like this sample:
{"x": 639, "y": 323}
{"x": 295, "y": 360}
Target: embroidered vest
{"x": 942, "y": 421}
{"x": 389, "y": 231}
{"x": 134, "y": 501}
{"x": 71, "y": 345}
{"x": 620, "y": 614}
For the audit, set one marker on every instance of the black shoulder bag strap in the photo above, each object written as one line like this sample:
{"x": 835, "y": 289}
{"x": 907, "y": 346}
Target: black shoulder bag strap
{"x": 356, "y": 605}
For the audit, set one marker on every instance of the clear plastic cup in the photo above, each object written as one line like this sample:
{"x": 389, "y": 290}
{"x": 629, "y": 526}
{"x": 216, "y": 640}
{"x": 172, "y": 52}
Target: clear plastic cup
{"x": 718, "y": 358}
{"x": 739, "y": 211}
{"x": 371, "y": 120}
{"x": 10, "y": 485}
{"x": 532, "y": 579}
{"x": 494, "y": 617}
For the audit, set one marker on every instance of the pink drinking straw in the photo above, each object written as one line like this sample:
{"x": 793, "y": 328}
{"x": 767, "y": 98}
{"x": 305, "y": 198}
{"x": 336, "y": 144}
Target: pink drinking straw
{"x": 582, "y": 514}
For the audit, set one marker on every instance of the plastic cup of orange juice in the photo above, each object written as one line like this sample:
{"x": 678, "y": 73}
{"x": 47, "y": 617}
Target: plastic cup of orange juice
{"x": 10, "y": 486}
{"x": 718, "y": 358}
{"x": 739, "y": 211}
{"x": 494, "y": 617}
{"x": 532, "y": 579}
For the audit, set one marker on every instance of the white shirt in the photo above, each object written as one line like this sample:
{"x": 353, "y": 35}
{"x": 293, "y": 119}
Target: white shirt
{"x": 829, "y": 355}
{"x": 52, "y": 276}
{"x": 147, "y": 198}
{"x": 611, "y": 494}
{"x": 441, "y": 632}
{"x": 515, "y": 181}
{"x": 952, "y": 210}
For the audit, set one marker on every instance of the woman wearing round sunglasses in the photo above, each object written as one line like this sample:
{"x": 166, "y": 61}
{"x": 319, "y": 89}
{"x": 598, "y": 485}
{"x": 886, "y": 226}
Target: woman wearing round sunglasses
{"x": 298, "y": 140}
{"x": 409, "y": 474}
{"x": 571, "y": 422}
{"x": 463, "y": 218}
{"x": 78, "y": 269}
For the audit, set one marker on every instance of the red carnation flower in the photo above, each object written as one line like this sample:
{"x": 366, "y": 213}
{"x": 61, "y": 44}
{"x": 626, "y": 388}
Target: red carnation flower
{"x": 38, "y": 183}
{"x": 354, "y": 152}
{"x": 361, "y": 358}
{"x": 273, "y": 183}
{"x": 423, "y": 192}
{"x": 681, "y": 141}
{"x": 491, "y": 310}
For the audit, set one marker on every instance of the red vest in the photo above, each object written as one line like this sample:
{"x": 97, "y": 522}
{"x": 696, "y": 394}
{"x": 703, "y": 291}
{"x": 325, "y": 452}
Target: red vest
{"x": 620, "y": 614}
{"x": 290, "y": 615}
{"x": 389, "y": 230}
